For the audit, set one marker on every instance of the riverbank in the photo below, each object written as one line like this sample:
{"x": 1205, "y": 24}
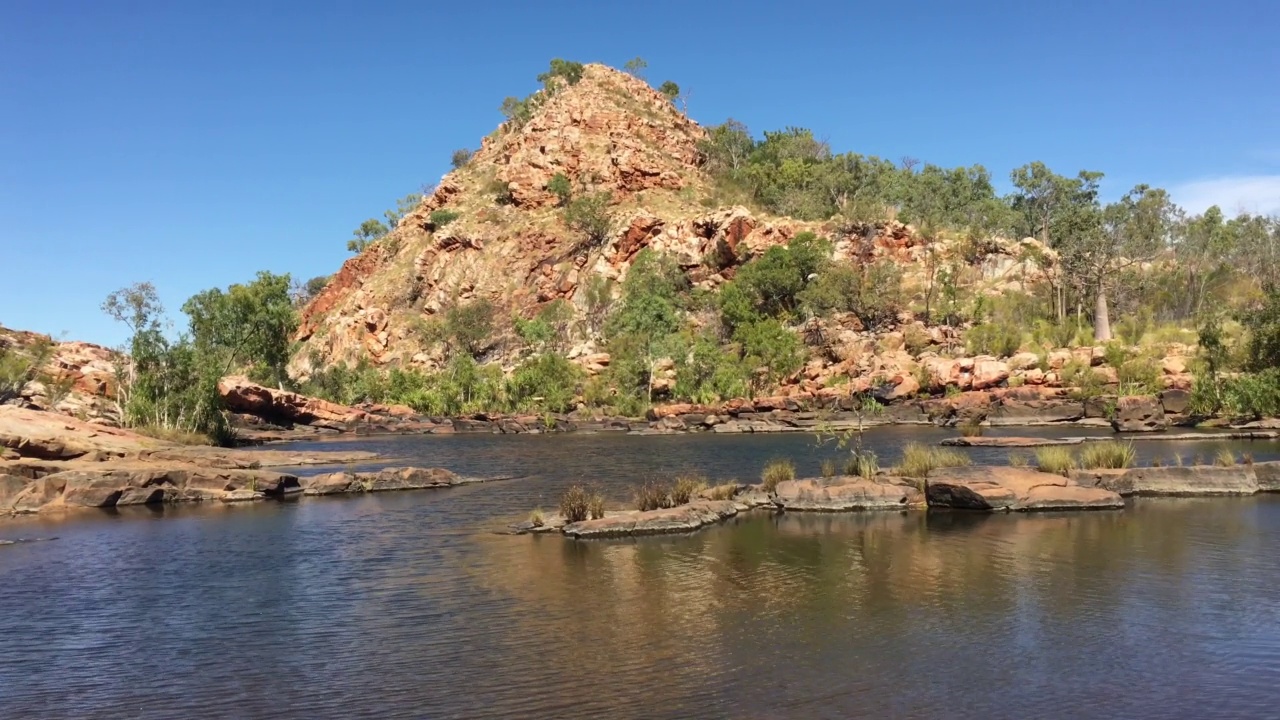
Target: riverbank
{"x": 53, "y": 463}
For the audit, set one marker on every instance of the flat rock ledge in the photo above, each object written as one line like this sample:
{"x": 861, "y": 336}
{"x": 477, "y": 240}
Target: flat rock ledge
{"x": 1199, "y": 480}
{"x": 844, "y": 494}
{"x": 1014, "y": 489}
{"x": 1023, "y": 442}
{"x": 37, "y": 487}
{"x": 679, "y": 519}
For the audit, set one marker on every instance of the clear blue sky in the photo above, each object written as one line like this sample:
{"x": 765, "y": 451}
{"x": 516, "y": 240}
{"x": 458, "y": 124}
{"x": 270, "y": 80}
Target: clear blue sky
{"x": 192, "y": 144}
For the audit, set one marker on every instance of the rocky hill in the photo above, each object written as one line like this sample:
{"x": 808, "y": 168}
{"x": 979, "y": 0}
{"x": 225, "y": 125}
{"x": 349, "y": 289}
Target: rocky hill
{"x": 495, "y": 230}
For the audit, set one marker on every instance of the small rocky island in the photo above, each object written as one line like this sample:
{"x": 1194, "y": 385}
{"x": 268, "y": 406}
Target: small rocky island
{"x": 52, "y": 462}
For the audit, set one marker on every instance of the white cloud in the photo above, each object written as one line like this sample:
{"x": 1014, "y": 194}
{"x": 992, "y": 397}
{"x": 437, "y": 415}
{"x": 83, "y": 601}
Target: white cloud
{"x": 1258, "y": 194}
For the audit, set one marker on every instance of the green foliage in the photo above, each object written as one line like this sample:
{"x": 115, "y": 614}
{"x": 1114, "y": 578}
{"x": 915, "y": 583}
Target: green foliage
{"x": 166, "y": 383}
{"x": 560, "y": 186}
{"x": 769, "y": 348}
{"x": 996, "y": 339}
{"x": 1054, "y": 459}
{"x": 369, "y": 232}
{"x": 1108, "y": 455}
{"x": 248, "y": 326}
{"x": 779, "y": 470}
{"x": 709, "y": 374}
{"x": 1245, "y": 396}
{"x": 1263, "y": 323}
{"x": 635, "y": 67}
{"x": 1078, "y": 375}
{"x": 442, "y": 217}
{"x": 589, "y": 215}
{"x": 1138, "y": 376}
{"x": 561, "y": 71}
{"x": 670, "y": 90}
{"x": 772, "y": 283}
{"x": 651, "y": 299}
{"x": 21, "y": 366}
{"x": 313, "y": 287}
{"x": 469, "y": 326}
{"x": 863, "y": 464}
{"x": 871, "y": 292}
{"x": 461, "y": 157}
{"x": 545, "y": 382}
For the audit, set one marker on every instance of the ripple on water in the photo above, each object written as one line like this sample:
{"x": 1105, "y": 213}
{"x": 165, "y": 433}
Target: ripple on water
{"x": 408, "y": 605}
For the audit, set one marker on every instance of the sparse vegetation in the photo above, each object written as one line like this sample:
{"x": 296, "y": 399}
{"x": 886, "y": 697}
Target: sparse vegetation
{"x": 652, "y": 495}
{"x": 1018, "y": 459}
{"x": 918, "y": 460}
{"x": 863, "y": 464}
{"x": 461, "y": 157}
{"x": 441, "y": 218}
{"x": 1225, "y": 458}
{"x": 536, "y": 518}
{"x": 575, "y": 504}
{"x": 687, "y": 486}
{"x": 777, "y": 471}
{"x": 828, "y": 468}
{"x": 1054, "y": 459}
{"x": 970, "y": 428}
{"x": 1109, "y": 455}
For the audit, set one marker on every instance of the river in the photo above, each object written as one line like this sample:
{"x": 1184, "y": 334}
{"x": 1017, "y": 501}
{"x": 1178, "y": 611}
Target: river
{"x": 413, "y": 605}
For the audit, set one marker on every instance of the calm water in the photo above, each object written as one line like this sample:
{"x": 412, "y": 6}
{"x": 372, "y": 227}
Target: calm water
{"x": 411, "y": 605}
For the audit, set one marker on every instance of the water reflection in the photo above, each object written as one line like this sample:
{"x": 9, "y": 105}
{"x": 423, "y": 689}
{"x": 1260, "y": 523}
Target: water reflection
{"x": 409, "y": 605}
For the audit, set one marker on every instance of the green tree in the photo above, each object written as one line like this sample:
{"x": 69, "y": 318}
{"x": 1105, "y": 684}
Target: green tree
{"x": 369, "y": 232}
{"x": 469, "y": 326}
{"x": 461, "y": 157}
{"x": 561, "y": 71}
{"x": 1132, "y": 231}
{"x": 635, "y": 67}
{"x": 163, "y": 383}
{"x": 670, "y": 90}
{"x": 246, "y": 326}
{"x": 590, "y": 216}
{"x": 560, "y": 186}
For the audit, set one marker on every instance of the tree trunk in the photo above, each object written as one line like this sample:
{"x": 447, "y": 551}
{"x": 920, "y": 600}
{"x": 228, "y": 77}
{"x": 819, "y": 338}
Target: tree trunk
{"x": 1101, "y": 318}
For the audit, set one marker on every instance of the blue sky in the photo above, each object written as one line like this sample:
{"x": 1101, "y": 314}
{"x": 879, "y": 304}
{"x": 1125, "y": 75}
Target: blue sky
{"x": 192, "y": 144}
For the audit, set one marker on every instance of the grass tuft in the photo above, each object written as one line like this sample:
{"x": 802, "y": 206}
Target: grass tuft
{"x": 918, "y": 460}
{"x": 536, "y": 518}
{"x": 575, "y": 504}
{"x": 828, "y": 468}
{"x": 1056, "y": 460}
{"x": 725, "y": 491}
{"x": 777, "y": 471}
{"x": 863, "y": 464}
{"x": 970, "y": 428}
{"x": 686, "y": 487}
{"x": 1109, "y": 455}
{"x": 1225, "y": 458}
{"x": 1018, "y": 459}
{"x": 652, "y": 495}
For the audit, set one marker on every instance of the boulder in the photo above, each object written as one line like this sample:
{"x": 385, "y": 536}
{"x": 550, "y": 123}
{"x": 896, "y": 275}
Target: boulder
{"x": 989, "y": 374}
{"x": 407, "y": 478}
{"x": 1010, "y": 488}
{"x": 330, "y": 484}
{"x": 10, "y": 487}
{"x": 283, "y": 407}
{"x": 1139, "y": 413}
{"x": 1184, "y": 481}
{"x": 1175, "y": 401}
{"x": 847, "y": 493}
